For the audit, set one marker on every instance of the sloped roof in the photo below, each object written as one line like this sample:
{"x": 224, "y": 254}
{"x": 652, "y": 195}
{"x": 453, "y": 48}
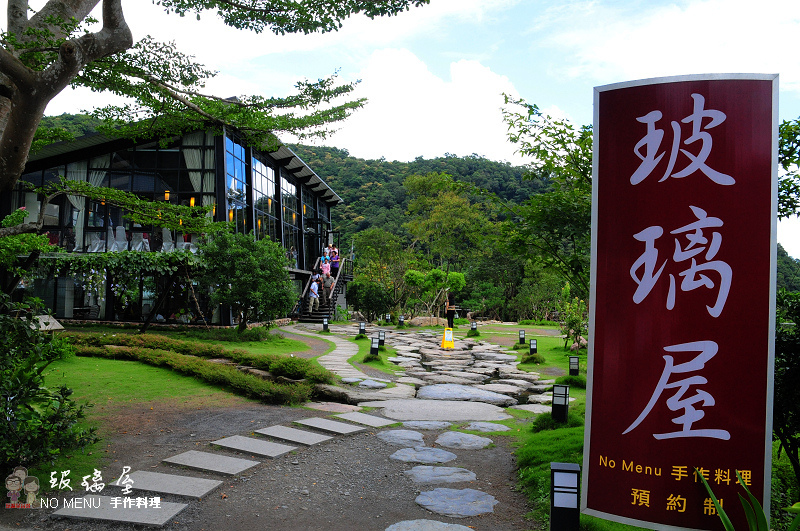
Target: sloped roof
{"x": 283, "y": 155}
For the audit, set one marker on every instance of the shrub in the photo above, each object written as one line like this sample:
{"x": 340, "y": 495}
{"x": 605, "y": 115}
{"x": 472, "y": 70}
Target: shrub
{"x": 533, "y": 358}
{"x": 38, "y": 423}
{"x": 473, "y": 333}
{"x": 572, "y": 381}
{"x": 545, "y": 421}
{"x": 461, "y": 321}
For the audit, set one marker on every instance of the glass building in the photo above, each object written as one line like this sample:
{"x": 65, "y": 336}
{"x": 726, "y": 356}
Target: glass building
{"x": 272, "y": 193}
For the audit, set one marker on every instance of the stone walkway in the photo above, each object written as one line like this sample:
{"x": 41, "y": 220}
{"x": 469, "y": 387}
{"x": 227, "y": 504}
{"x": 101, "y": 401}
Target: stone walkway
{"x": 471, "y": 383}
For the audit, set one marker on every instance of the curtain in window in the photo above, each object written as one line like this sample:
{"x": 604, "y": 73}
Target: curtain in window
{"x": 76, "y": 171}
{"x": 201, "y": 182}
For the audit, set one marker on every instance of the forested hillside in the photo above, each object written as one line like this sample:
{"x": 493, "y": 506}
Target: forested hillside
{"x": 373, "y": 191}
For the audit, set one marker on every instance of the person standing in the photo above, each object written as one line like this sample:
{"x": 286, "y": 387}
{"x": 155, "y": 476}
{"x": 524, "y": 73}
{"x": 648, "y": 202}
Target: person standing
{"x": 451, "y": 309}
{"x": 327, "y": 288}
{"x": 335, "y": 264}
{"x": 313, "y": 296}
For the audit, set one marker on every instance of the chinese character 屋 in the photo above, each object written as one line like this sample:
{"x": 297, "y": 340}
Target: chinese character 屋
{"x": 125, "y": 479}
{"x": 651, "y": 143}
{"x": 679, "y": 401}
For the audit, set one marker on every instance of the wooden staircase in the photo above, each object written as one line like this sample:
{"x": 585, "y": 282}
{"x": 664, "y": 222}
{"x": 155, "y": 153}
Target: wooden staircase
{"x": 326, "y": 310}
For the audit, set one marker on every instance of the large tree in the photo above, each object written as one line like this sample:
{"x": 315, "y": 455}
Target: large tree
{"x": 43, "y": 52}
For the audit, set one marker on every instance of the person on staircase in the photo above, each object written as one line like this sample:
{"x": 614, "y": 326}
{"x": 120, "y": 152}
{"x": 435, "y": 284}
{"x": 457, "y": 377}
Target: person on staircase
{"x": 327, "y": 288}
{"x": 313, "y": 297}
{"x": 335, "y": 264}
{"x": 325, "y": 264}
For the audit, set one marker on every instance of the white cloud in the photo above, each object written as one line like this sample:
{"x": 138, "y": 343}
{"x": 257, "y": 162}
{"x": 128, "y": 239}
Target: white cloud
{"x": 412, "y": 112}
{"x": 608, "y": 43}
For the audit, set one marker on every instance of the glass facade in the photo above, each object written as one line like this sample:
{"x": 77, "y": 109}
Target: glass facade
{"x": 255, "y": 193}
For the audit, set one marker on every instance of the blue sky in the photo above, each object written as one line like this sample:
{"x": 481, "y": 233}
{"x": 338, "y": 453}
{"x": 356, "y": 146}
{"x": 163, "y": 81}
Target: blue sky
{"x": 434, "y": 75}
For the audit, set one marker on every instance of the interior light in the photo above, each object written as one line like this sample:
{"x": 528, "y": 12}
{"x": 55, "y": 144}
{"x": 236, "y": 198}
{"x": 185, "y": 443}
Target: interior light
{"x": 191, "y": 201}
{"x": 166, "y": 195}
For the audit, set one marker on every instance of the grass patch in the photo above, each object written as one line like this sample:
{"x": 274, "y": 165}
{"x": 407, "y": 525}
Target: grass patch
{"x": 381, "y": 363}
{"x": 578, "y": 381}
{"x": 280, "y": 365}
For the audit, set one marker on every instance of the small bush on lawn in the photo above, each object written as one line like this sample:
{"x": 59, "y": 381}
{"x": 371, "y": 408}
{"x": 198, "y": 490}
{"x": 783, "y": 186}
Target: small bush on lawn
{"x": 545, "y": 421}
{"x": 360, "y": 337}
{"x": 224, "y": 375}
{"x": 460, "y": 321}
{"x": 572, "y": 381}
{"x": 37, "y": 423}
{"x": 473, "y": 333}
{"x": 294, "y": 368}
{"x": 533, "y": 358}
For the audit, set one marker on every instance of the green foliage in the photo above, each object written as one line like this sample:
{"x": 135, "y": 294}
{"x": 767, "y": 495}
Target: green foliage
{"x": 789, "y": 159}
{"x": 249, "y": 275}
{"x": 545, "y": 421}
{"x": 295, "y": 368}
{"x": 572, "y": 381}
{"x": 788, "y": 271}
{"x": 575, "y": 317}
{"x": 11, "y": 247}
{"x": 533, "y": 358}
{"x": 215, "y": 373}
{"x": 756, "y": 518}
{"x": 429, "y": 290}
{"x": 38, "y": 423}
{"x": 368, "y": 297}
{"x": 786, "y": 402}
{"x": 473, "y": 333}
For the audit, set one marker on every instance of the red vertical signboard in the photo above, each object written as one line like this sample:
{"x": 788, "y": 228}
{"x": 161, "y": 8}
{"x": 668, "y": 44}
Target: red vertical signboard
{"x": 682, "y": 304}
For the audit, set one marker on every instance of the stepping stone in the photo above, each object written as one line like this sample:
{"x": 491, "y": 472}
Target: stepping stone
{"x": 462, "y": 441}
{"x": 486, "y": 426}
{"x": 110, "y": 508}
{"x": 503, "y": 389}
{"x": 351, "y": 380}
{"x": 457, "y": 503}
{"x": 206, "y": 462}
{"x": 439, "y": 474}
{"x": 463, "y": 392}
{"x": 254, "y": 446}
{"x": 331, "y": 406}
{"x": 426, "y": 525}
{"x": 423, "y": 454}
{"x": 284, "y": 433}
{"x": 427, "y": 424}
{"x": 172, "y": 484}
{"x": 372, "y": 384}
{"x": 534, "y": 408}
{"x": 406, "y": 438}
{"x": 448, "y": 410}
{"x": 330, "y": 426}
{"x": 368, "y": 420}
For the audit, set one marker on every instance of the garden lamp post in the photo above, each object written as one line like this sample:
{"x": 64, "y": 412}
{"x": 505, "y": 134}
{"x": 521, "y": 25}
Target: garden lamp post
{"x": 402, "y": 320}
{"x": 522, "y": 337}
{"x": 565, "y": 480}
{"x": 373, "y": 349}
{"x": 574, "y": 365}
{"x": 324, "y": 324}
{"x": 560, "y": 403}
{"x": 381, "y": 338}
{"x": 362, "y": 328}
{"x": 533, "y": 347}
{"x": 473, "y": 326}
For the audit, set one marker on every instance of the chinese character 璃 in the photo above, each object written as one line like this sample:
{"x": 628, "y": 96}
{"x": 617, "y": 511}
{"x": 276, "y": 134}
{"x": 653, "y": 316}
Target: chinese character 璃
{"x": 695, "y": 275}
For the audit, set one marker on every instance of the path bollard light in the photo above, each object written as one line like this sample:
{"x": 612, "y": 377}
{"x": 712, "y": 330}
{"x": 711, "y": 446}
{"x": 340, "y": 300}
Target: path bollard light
{"x": 565, "y": 480}
{"x": 533, "y": 347}
{"x": 324, "y": 324}
{"x": 362, "y": 328}
{"x": 373, "y": 349}
{"x": 574, "y": 365}
{"x": 560, "y": 403}
{"x": 381, "y": 338}
{"x": 402, "y": 320}
{"x": 473, "y": 325}
{"x": 522, "y": 337}
{"x": 388, "y": 318}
